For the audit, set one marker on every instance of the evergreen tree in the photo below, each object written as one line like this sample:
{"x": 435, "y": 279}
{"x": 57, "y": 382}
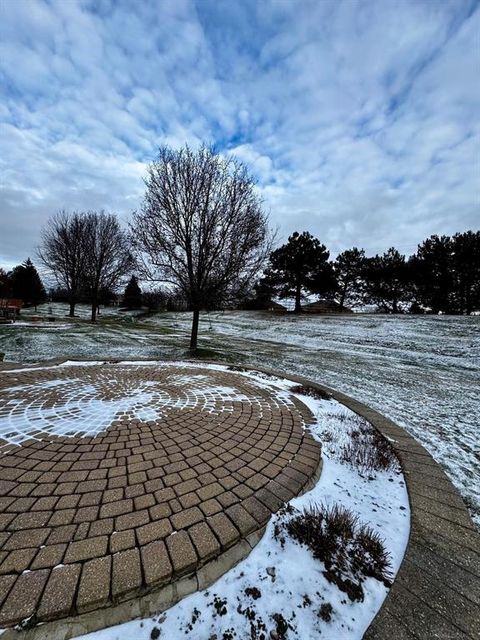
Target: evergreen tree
{"x": 432, "y": 274}
{"x": 300, "y": 265}
{"x": 446, "y": 273}
{"x": 5, "y": 285}
{"x": 27, "y": 285}
{"x": 387, "y": 281}
{"x": 132, "y": 298}
{"x": 348, "y": 268}
{"x": 260, "y": 296}
{"x": 466, "y": 270}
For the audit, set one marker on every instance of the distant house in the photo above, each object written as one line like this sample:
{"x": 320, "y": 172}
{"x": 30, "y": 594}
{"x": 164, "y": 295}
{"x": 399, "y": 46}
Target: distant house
{"x": 10, "y": 308}
{"x": 325, "y": 306}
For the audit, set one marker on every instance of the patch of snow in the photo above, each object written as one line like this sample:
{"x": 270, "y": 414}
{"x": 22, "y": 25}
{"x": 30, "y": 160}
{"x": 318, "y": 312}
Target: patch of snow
{"x": 285, "y": 576}
{"x": 74, "y": 407}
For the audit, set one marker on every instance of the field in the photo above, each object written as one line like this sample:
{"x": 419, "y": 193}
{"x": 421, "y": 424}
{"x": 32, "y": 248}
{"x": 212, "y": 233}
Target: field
{"x": 422, "y": 372}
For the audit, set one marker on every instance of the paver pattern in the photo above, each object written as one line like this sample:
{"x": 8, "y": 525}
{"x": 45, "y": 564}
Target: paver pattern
{"x": 115, "y": 478}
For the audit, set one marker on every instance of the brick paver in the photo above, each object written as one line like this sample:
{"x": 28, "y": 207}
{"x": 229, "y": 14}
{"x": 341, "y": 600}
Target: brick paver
{"x": 116, "y": 479}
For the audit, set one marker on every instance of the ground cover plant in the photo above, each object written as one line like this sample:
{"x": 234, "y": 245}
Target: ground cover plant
{"x": 367, "y": 449}
{"x": 313, "y": 392}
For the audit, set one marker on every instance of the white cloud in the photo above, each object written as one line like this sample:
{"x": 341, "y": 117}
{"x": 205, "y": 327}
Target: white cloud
{"x": 358, "y": 119}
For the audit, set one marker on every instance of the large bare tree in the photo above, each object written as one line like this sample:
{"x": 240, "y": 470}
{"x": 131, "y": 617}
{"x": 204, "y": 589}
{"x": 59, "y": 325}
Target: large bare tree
{"x": 63, "y": 252}
{"x": 201, "y": 227}
{"x": 108, "y": 255}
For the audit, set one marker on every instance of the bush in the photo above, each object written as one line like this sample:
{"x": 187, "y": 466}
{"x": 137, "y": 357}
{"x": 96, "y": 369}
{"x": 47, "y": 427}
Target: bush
{"x": 313, "y": 392}
{"x": 350, "y": 551}
{"x": 368, "y": 450}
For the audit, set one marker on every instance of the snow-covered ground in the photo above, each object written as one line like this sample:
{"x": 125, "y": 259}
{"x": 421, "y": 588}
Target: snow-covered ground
{"x": 82, "y": 311}
{"x": 285, "y": 579}
{"x": 423, "y": 372}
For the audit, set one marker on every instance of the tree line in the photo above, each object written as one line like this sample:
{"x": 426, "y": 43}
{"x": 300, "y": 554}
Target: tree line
{"x": 202, "y": 234}
{"x": 443, "y": 276}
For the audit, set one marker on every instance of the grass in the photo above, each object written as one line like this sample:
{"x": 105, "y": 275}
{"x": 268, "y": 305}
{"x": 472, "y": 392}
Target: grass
{"x": 203, "y": 353}
{"x": 368, "y": 450}
{"x": 350, "y": 551}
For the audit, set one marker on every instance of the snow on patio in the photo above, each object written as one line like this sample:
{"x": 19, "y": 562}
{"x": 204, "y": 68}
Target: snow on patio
{"x": 278, "y": 585}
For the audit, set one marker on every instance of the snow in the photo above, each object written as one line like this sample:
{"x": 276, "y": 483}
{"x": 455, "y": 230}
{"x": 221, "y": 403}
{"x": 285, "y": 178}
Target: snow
{"x": 75, "y": 407}
{"x": 286, "y": 575}
{"x": 423, "y": 372}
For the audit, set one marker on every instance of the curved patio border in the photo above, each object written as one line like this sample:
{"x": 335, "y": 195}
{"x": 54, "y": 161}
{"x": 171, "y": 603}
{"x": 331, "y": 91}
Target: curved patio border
{"x": 436, "y": 593}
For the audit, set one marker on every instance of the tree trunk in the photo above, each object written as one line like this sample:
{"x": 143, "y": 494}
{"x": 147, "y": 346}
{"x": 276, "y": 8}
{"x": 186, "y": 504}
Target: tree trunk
{"x": 194, "y": 334}
{"x": 94, "y": 310}
{"x": 71, "y": 313}
{"x": 298, "y": 293}
{"x": 342, "y": 298}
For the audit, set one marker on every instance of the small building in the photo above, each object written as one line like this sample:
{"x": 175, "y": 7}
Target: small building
{"x": 326, "y": 307}
{"x": 9, "y": 309}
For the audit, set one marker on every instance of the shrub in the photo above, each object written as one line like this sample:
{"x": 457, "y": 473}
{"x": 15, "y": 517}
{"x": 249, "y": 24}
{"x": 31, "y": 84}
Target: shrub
{"x": 368, "y": 450}
{"x": 313, "y": 392}
{"x": 349, "y": 550}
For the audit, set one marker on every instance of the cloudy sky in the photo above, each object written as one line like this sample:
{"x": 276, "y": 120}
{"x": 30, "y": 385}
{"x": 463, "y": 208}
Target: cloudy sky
{"x": 358, "y": 119}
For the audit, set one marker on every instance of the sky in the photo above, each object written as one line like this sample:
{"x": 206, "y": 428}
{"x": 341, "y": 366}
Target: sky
{"x": 358, "y": 119}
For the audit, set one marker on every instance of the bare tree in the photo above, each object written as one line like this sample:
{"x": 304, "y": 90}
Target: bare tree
{"x": 63, "y": 252}
{"x": 201, "y": 227}
{"x": 108, "y": 255}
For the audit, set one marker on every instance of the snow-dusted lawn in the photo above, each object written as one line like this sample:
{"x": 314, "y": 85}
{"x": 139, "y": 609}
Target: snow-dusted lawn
{"x": 288, "y": 580}
{"x": 422, "y": 372}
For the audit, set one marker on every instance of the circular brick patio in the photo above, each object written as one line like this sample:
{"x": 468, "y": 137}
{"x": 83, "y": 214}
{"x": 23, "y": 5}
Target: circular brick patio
{"x": 116, "y": 479}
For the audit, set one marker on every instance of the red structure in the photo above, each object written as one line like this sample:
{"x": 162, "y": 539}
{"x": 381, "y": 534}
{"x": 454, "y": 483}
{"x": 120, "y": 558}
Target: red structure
{"x": 10, "y": 308}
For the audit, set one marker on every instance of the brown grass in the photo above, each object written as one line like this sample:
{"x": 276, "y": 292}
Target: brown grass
{"x": 313, "y": 392}
{"x": 350, "y": 551}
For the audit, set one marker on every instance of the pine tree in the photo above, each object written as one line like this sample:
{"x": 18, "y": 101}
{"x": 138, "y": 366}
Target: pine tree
{"x": 446, "y": 273}
{"x": 432, "y": 274}
{"x": 349, "y": 267}
{"x": 387, "y": 281}
{"x": 132, "y": 298}
{"x": 27, "y": 284}
{"x": 5, "y": 284}
{"x": 466, "y": 269}
{"x": 300, "y": 265}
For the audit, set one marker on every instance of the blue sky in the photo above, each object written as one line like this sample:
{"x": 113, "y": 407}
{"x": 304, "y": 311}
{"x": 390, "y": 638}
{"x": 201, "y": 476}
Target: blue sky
{"x": 358, "y": 119}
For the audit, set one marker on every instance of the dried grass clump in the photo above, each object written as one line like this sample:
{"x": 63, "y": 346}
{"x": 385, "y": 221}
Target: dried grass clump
{"x": 350, "y": 551}
{"x": 313, "y": 392}
{"x": 368, "y": 450}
